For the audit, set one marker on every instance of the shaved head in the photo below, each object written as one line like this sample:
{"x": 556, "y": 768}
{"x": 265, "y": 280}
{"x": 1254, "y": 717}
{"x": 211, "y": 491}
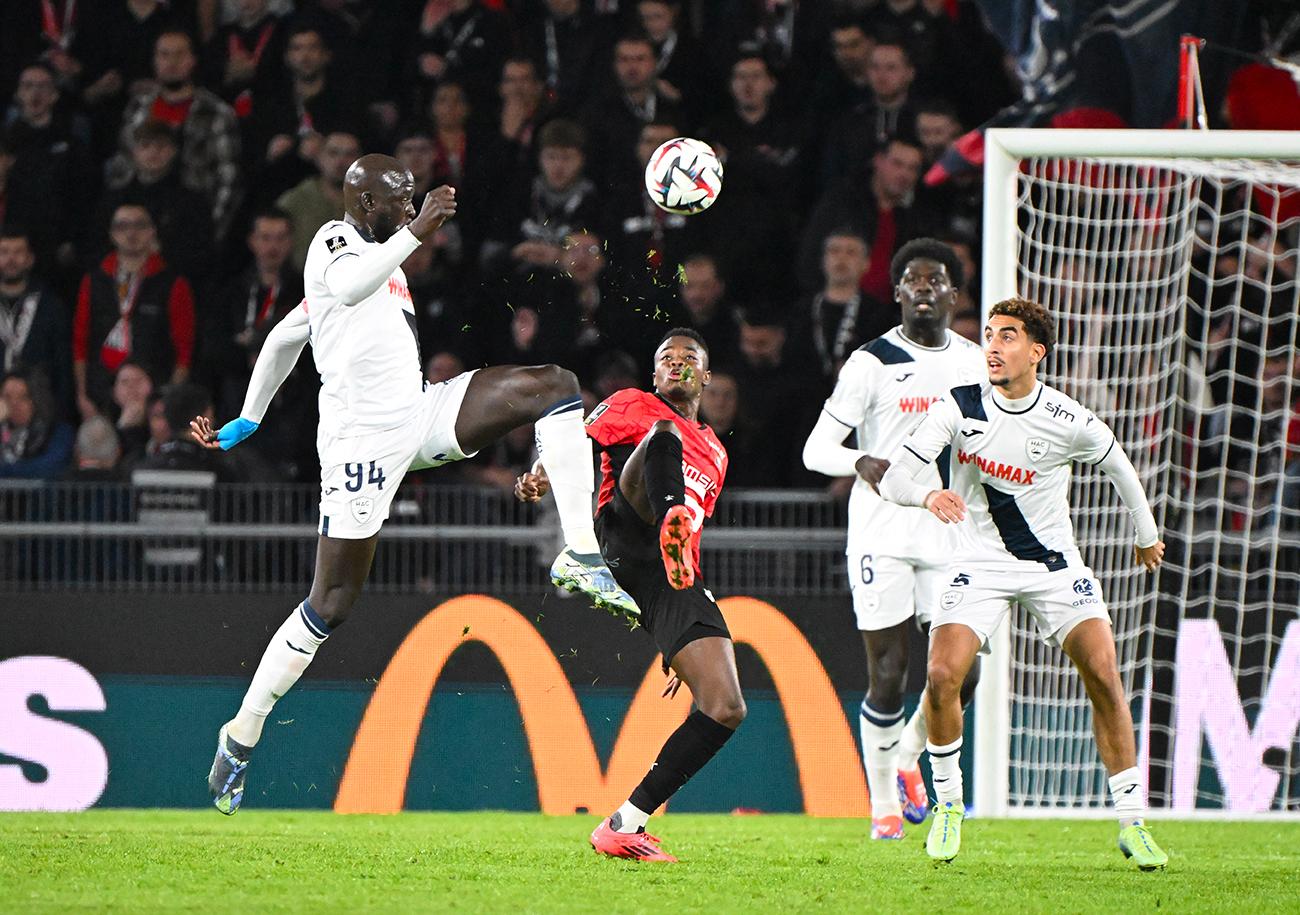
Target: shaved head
{"x": 377, "y": 192}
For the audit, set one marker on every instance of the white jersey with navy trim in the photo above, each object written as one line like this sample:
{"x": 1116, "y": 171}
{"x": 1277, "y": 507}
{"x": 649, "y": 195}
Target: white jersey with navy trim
{"x": 366, "y": 351}
{"x": 882, "y": 392}
{"x": 1011, "y": 464}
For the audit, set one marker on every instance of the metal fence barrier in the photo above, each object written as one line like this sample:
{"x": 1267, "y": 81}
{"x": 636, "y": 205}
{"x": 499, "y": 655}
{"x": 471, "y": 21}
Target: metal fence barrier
{"x": 185, "y": 531}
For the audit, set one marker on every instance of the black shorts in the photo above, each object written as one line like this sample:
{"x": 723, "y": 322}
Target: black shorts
{"x": 673, "y": 618}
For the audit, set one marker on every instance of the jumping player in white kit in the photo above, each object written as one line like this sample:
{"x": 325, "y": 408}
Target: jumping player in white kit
{"x": 1014, "y": 440}
{"x": 896, "y": 555}
{"x": 380, "y": 418}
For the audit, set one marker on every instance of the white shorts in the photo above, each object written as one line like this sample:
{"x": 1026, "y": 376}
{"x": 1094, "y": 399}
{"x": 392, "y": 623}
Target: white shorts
{"x": 359, "y": 475}
{"x": 1058, "y": 601}
{"x": 888, "y": 590}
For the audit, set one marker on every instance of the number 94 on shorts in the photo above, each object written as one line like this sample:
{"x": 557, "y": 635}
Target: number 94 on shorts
{"x": 355, "y": 497}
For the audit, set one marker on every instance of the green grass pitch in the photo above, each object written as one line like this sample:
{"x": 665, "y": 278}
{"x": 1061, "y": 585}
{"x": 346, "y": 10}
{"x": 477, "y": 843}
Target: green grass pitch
{"x": 271, "y": 861}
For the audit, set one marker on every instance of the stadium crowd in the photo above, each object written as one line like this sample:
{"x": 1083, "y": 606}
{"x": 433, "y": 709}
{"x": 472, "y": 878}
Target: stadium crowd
{"x": 163, "y": 166}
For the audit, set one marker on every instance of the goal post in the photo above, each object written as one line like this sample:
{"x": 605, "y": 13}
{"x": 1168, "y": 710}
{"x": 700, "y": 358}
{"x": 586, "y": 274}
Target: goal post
{"x": 1169, "y": 261}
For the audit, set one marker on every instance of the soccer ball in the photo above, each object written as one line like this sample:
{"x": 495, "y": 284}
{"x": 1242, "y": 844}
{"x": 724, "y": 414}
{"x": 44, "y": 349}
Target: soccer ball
{"x": 683, "y": 176}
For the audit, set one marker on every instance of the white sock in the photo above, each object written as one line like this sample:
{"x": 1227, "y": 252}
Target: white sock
{"x": 632, "y": 818}
{"x": 945, "y": 765}
{"x": 565, "y": 450}
{"x": 1129, "y": 796}
{"x": 286, "y": 657}
{"x": 912, "y": 744}
{"x": 880, "y": 733}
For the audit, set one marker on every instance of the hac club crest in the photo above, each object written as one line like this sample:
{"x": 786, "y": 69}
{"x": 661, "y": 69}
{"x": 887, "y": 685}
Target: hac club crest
{"x": 1037, "y": 449}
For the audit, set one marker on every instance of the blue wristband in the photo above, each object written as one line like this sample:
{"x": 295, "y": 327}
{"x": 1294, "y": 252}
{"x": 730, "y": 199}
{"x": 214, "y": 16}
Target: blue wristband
{"x": 234, "y": 432}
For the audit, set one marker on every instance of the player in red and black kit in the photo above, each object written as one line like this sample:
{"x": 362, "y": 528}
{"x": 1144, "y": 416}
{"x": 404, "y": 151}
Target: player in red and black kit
{"x": 662, "y": 470}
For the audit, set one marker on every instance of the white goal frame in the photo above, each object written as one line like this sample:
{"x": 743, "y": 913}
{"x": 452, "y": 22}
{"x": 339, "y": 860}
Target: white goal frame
{"x": 1004, "y": 148}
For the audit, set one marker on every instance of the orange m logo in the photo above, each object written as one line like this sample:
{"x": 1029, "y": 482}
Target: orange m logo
{"x": 569, "y": 776}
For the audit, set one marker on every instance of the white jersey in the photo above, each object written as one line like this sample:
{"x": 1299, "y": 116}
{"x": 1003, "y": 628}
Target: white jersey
{"x": 1011, "y": 464}
{"x": 366, "y": 351}
{"x": 882, "y": 392}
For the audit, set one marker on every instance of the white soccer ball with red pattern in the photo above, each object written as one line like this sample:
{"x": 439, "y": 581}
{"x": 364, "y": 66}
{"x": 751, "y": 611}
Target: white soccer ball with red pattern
{"x": 683, "y": 176}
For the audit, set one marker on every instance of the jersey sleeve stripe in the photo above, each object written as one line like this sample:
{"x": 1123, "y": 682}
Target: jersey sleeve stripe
{"x": 1107, "y": 454}
{"x": 827, "y": 411}
{"x": 913, "y": 451}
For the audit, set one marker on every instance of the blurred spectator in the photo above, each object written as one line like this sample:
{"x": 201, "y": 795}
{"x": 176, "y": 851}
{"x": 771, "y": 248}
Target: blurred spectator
{"x": 445, "y": 308}
{"x": 614, "y": 371}
{"x": 181, "y": 215}
{"x": 180, "y": 404}
{"x": 95, "y": 453}
{"x": 847, "y": 84}
{"x": 20, "y": 203}
{"x": 208, "y": 129}
{"x": 937, "y": 128}
{"x": 319, "y": 199}
{"x": 245, "y": 59}
{"x": 855, "y": 136}
{"x": 132, "y": 395}
{"x": 372, "y": 45}
{"x": 34, "y": 444}
{"x": 570, "y": 48}
{"x": 115, "y": 42}
{"x": 751, "y": 458}
{"x": 288, "y": 126}
{"x": 832, "y": 323}
{"x": 873, "y": 203}
{"x": 463, "y": 41}
{"x": 791, "y": 34}
{"x": 461, "y": 157}
{"x": 927, "y": 30}
{"x": 443, "y": 365}
{"x": 242, "y": 309}
{"x": 614, "y": 123}
{"x": 679, "y": 65}
{"x": 132, "y": 305}
{"x": 531, "y": 224}
{"x": 753, "y": 224}
{"x": 966, "y": 323}
{"x": 703, "y": 293}
{"x": 523, "y": 109}
{"x": 51, "y": 163}
{"x": 646, "y": 243}
{"x": 34, "y": 324}
{"x": 786, "y": 394}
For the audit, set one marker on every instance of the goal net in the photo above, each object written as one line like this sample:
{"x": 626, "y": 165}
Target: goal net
{"x": 1170, "y": 262}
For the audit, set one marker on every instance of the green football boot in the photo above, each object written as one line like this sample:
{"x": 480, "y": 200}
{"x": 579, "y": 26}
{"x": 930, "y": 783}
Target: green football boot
{"x": 944, "y": 840}
{"x": 1137, "y": 843}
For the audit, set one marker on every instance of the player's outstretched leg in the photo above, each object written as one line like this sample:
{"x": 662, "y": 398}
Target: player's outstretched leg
{"x": 653, "y": 484}
{"x": 911, "y": 784}
{"x": 501, "y": 398}
{"x": 952, "y": 651}
{"x": 708, "y": 667}
{"x": 1091, "y": 646}
{"x": 341, "y": 568}
{"x": 880, "y": 723}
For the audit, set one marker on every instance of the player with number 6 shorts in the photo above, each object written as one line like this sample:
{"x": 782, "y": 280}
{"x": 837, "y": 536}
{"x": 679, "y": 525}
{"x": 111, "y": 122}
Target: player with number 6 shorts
{"x": 897, "y": 555}
{"x": 1013, "y": 441}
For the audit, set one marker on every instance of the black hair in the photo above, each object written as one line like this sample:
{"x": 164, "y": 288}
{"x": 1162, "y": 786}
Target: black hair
{"x": 690, "y": 332}
{"x": 14, "y": 230}
{"x": 271, "y": 212}
{"x": 1038, "y": 322}
{"x": 181, "y": 403}
{"x": 930, "y": 249}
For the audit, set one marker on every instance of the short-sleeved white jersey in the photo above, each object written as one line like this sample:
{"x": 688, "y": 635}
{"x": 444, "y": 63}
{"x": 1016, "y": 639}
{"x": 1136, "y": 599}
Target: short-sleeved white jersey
{"x": 882, "y": 392}
{"x": 1011, "y": 464}
{"x": 366, "y": 352}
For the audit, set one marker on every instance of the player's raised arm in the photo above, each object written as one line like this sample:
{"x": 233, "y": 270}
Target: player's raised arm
{"x": 1097, "y": 445}
{"x": 824, "y": 451}
{"x": 278, "y": 356}
{"x": 354, "y": 275}
{"x": 920, "y": 449}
